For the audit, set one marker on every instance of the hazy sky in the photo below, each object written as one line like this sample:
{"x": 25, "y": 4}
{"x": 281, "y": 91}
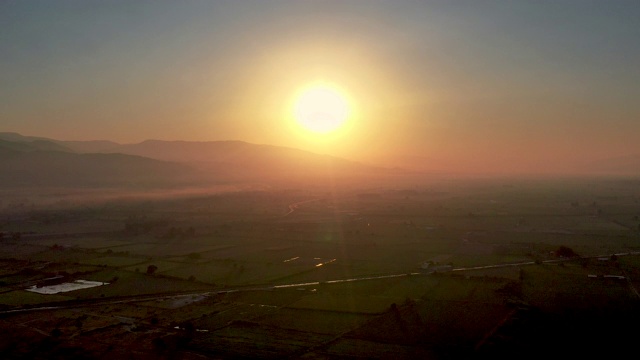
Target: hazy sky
{"x": 471, "y": 83}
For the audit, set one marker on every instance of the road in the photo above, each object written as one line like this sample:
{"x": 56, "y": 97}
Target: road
{"x": 294, "y": 206}
{"x": 178, "y": 295}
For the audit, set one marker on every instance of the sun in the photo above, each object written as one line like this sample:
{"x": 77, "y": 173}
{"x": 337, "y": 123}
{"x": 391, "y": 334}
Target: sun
{"x": 321, "y": 108}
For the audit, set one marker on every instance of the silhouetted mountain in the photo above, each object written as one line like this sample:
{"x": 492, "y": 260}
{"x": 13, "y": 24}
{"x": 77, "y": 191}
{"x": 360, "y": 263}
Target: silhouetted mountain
{"x": 32, "y": 145}
{"x": 39, "y": 161}
{"x": 33, "y": 164}
{"x": 238, "y": 152}
{"x": 228, "y": 161}
{"x": 95, "y": 146}
{"x": 237, "y": 160}
{"x": 15, "y": 137}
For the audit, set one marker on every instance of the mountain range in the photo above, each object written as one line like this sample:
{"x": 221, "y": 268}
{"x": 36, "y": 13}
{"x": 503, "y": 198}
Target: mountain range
{"x": 36, "y": 161}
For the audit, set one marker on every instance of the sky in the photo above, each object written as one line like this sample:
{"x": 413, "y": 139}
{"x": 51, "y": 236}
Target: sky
{"x": 512, "y": 85}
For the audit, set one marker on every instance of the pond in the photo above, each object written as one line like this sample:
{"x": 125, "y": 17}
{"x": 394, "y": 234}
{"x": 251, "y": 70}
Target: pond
{"x": 64, "y": 287}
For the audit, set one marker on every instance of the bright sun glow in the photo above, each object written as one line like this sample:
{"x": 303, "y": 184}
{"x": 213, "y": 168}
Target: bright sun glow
{"x": 321, "y": 109}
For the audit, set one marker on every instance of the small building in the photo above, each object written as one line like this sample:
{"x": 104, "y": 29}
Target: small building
{"x": 431, "y": 267}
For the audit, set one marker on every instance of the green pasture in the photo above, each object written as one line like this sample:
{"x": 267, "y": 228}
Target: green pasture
{"x": 411, "y": 287}
{"x": 334, "y": 271}
{"x": 472, "y": 260}
{"x": 93, "y": 243}
{"x": 556, "y": 287}
{"x": 323, "y": 322}
{"x": 138, "y": 311}
{"x": 62, "y": 256}
{"x": 19, "y": 250}
{"x": 451, "y": 288}
{"x": 365, "y": 287}
{"x": 508, "y": 273}
{"x": 180, "y": 248}
{"x": 213, "y": 272}
{"x": 231, "y": 273}
{"x": 23, "y": 297}
{"x": 224, "y": 313}
{"x": 162, "y": 265}
{"x": 115, "y": 261}
{"x": 350, "y": 303}
{"x": 131, "y": 283}
{"x": 248, "y": 340}
{"x": 63, "y": 225}
{"x": 275, "y": 298}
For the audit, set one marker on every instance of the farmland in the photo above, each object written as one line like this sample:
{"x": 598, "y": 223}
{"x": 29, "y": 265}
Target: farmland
{"x": 444, "y": 270}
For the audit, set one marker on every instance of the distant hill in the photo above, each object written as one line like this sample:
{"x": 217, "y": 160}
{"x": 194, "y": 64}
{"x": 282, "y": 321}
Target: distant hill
{"x": 32, "y": 145}
{"x": 45, "y": 163}
{"x": 15, "y": 137}
{"x": 237, "y": 159}
{"x": 30, "y": 160}
{"x": 97, "y": 146}
{"x": 40, "y": 161}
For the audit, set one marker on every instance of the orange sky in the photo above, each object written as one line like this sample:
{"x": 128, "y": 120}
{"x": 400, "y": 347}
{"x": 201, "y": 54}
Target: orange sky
{"x": 460, "y": 85}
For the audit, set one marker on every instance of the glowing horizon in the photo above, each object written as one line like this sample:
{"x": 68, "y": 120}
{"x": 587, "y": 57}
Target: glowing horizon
{"x": 481, "y": 85}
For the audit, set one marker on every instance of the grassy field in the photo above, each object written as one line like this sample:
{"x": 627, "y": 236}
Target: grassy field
{"x": 21, "y": 297}
{"x": 242, "y": 339}
{"x": 359, "y": 304}
{"x": 317, "y": 321}
{"x": 217, "y": 258}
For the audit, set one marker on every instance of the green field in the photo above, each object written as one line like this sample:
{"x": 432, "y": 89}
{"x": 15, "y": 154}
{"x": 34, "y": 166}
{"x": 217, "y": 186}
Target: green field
{"x": 229, "y": 276}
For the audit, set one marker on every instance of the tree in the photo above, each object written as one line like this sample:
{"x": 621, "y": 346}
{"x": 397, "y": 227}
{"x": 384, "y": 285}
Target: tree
{"x": 189, "y": 333}
{"x": 566, "y": 252}
{"x": 151, "y": 269}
